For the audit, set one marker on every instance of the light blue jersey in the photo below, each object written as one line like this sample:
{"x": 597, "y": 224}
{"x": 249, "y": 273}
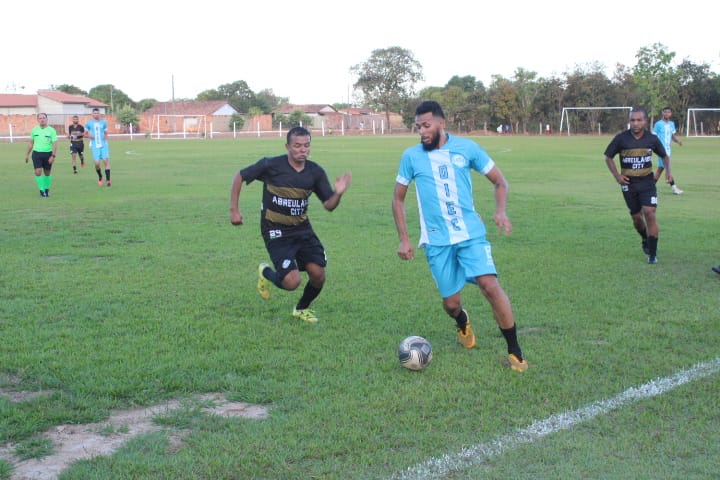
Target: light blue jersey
{"x": 98, "y": 144}
{"x": 443, "y": 184}
{"x": 664, "y": 131}
{"x": 97, "y": 129}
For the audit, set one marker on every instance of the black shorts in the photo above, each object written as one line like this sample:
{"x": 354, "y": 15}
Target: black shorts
{"x": 41, "y": 160}
{"x": 294, "y": 253}
{"x": 642, "y": 192}
{"x": 77, "y": 147}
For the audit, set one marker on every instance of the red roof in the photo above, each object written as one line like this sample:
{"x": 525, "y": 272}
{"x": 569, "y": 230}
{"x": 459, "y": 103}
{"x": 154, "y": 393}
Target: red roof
{"x": 17, "y": 100}
{"x": 62, "y": 97}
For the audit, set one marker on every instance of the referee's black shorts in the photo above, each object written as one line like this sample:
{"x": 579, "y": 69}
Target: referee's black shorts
{"x": 41, "y": 160}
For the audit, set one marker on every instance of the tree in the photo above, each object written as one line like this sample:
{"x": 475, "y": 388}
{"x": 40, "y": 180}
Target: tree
{"x": 589, "y": 86}
{"x": 296, "y": 118}
{"x": 548, "y": 102}
{"x": 279, "y": 119}
{"x": 657, "y": 80}
{"x": 208, "y": 95}
{"x": 625, "y": 89}
{"x": 237, "y": 121}
{"x": 698, "y": 87}
{"x": 71, "y": 89}
{"x": 407, "y": 110}
{"x": 111, "y": 96}
{"x": 388, "y": 78}
{"x": 126, "y": 116}
{"x": 145, "y": 104}
{"x": 503, "y": 100}
{"x": 526, "y": 87}
{"x": 464, "y": 101}
{"x": 237, "y": 94}
{"x": 255, "y": 112}
{"x": 467, "y": 83}
{"x": 454, "y": 106}
{"x": 267, "y": 100}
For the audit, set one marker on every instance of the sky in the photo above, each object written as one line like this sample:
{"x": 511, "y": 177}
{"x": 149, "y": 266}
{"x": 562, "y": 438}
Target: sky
{"x": 304, "y": 51}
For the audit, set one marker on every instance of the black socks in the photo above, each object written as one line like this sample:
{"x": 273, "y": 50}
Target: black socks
{"x": 510, "y": 335}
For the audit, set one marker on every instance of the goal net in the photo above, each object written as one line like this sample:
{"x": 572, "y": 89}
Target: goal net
{"x": 179, "y": 126}
{"x": 703, "y": 122}
{"x": 593, "y": 120}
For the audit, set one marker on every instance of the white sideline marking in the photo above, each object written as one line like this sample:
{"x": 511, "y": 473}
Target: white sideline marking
{"x": 467, "y": 457}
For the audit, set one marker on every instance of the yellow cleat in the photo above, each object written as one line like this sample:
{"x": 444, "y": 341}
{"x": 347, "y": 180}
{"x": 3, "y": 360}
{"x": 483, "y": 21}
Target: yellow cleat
{"x": 467, "y": 337}
{"x": 516, "y": 364}
{"x": 305, "y": 315}
{"x": 263, "y": 285}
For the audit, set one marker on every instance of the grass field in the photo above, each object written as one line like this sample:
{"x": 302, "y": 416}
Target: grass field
{"x": 143, "y": 292}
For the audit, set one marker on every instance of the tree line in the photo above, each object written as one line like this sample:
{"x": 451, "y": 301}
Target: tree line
{"x": 526, "y": 100}
{"x": 386, "y": 83}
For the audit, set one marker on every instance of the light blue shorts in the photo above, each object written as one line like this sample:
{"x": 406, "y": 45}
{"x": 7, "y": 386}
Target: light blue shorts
{"x": 660, "y": 162}
{"x": 100, "y": 153}
{"x": 452, "y": 266}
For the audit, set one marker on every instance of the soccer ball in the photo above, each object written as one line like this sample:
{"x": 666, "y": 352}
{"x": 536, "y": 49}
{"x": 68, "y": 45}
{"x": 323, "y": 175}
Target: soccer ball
{"x": 415, "y": 353}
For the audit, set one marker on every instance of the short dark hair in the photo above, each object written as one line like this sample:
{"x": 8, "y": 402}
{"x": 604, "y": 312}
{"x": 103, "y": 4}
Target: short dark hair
{"x": 430, "y": 106}
{"x": 639, "y": 110}
{"x": 298, "y": 132}
{"x": 96, "y": 110}
{"x": 667, "y": 108}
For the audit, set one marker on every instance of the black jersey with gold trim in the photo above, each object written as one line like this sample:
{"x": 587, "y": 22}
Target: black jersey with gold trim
{"x": 635, "y": 153}
{"x": 286, "y": 194}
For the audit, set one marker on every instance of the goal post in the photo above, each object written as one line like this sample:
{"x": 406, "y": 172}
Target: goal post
{"x": 595, "y": 118}
{"x": 178, "y": 126}
{"x": 703, "y": 122}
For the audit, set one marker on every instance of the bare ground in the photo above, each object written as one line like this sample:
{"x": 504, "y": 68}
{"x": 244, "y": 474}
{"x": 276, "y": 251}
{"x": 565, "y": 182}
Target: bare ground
{"x": 77, "y": 442}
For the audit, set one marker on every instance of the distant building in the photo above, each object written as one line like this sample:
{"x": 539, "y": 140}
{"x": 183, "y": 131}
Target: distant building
{"x": 18, "y": 104}
{"x": 55, "y": 102}
{"x": 52, "y": 102}
{"x": 18, "y": 111}
{"x": 189, "y": 107}
{"x": 357, "y": 120}
{"x": 188, "y": 116}
{"x": 321, "y": 114}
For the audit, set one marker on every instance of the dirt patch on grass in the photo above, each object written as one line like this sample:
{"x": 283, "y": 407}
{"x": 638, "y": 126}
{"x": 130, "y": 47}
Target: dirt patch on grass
{"x": 78, "y": 442}
{"x": 22, "y": 396}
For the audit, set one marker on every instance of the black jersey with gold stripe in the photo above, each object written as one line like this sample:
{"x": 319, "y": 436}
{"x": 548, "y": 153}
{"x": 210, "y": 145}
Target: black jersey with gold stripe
{"x": 286, "y": 194}
{"x": 635, "y": 153}
{"x": 76, "y": 133}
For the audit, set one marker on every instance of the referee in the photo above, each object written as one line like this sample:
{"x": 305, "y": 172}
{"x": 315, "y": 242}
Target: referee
{"x": 43, "y": 146}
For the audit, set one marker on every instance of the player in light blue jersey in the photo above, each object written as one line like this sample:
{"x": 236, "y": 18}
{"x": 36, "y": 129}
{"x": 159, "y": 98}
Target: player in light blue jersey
{"x": 451, "y": 231}
{"x": 665, "y": 130}
{"x": 96, "y": 131}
